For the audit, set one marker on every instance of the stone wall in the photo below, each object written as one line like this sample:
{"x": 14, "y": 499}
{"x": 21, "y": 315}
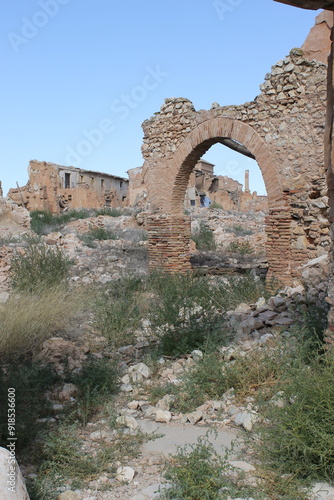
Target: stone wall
{"x": 55, "y": 187}
{"x": 283, "y": 128}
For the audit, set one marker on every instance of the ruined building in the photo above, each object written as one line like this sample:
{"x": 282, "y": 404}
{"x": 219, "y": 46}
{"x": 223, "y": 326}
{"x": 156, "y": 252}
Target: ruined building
{"x": 204, "y": 188}
{"x": 56, "y": 187}
{"x": 283, "y": 129}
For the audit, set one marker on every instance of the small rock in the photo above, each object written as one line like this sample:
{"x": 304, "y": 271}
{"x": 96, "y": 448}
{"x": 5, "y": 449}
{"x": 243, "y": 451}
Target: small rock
{"x": 68, "y": 495}
{"x": 245, "y": 466}
{"x": 101, "y": 435}
{"x": 125, "y": 474}
{"x": 126, "y": 388}
{"x": 129, "y": 422}
{"x": 133, "y": 405}
{"x": 195, "y": 417}
{"x": 165, "y": 402}
{"x": 68, "y": 391}
{"x": 197, "y": 355}
{"x": 246, "y": 420}
{"x": 163, "y": 416}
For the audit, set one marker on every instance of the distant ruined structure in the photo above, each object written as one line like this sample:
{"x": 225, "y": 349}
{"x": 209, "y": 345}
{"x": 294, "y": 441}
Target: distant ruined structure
{"x": 204, "y": 188}
{"x": 55, "y": 187}
{"x": 283, "y": 129}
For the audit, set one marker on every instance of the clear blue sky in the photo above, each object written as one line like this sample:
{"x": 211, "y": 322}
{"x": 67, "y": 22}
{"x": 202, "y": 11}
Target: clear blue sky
{"x": 70, "y": 67}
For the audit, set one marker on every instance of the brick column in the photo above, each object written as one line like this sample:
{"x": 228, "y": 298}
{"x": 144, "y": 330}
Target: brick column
{"x": 278, "y": 246}
{"x": 169, "y": 243}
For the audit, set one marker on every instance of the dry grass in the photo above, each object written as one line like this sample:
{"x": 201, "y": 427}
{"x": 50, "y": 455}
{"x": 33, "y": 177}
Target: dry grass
{"x": 27, "y": 320}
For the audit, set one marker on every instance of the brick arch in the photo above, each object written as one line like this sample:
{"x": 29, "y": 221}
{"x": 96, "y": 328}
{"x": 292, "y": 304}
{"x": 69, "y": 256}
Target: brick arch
{"x": 169, "y": 233}
{"x": 173, "y": 176}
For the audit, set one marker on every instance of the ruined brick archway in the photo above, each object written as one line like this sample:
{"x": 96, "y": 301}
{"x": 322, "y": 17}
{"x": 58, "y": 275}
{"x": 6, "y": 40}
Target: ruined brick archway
{"x": 167, "y": 183}
{"x": 283, "y": 128}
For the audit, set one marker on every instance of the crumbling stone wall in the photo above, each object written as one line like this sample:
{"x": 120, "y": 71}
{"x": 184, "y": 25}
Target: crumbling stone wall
{"x": 283, "y": 128}
{"x": 56, "y": 187}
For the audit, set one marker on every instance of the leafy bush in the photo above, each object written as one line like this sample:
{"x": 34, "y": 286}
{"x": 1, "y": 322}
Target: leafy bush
{"x": 204, "y": 237}
{"x": 27, "y": 320}
{"x": 299, "y": 439}
{"x": 242, "y": 248}
{"x": 40, "y": 266}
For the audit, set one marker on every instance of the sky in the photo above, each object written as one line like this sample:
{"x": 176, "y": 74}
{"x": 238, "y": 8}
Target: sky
{"x": 80, "y": 76}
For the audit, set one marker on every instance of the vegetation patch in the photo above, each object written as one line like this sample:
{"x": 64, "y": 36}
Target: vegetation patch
{"x": 28, "y": 319}
{"x": 204, "y": 237}
{"x": 38, "y": 267}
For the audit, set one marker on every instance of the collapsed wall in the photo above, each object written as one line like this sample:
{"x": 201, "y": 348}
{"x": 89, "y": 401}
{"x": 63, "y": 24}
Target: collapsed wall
{"x": 283, "y": 128}
{"x": 56, "y": 187}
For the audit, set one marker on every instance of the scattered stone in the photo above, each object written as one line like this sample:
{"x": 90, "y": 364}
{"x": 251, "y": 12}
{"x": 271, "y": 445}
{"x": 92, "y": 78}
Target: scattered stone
{"x": 163, "y": 416}
{"x": 129, "y": 422}
{"x": 246, "y": 420}
{"x": 195, "y": 417}
{"x": 125, "y": 474}
{"x": 68, "y": 495}
{"x": 197, "y": 355}
{"x": 245, "y": 466}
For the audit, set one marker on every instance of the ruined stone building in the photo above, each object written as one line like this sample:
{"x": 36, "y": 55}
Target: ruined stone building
{"x": 204, "y": 188}
{"x": 282, "y": 128}
{"x": 55, "y": 187}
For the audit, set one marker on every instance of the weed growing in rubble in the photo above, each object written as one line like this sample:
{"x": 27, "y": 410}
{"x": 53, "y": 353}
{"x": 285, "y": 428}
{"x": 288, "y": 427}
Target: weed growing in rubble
{"x": 97, "y": 233}
{"x": 27, "y": 320}
{"x": 30, "y": 382}
{"x": 119, "y": 310}
{"x": 184, "y": 311}
{"x": 204, "y": 237}
{"x": 239, "y": 230}
{"x": 198, "y": 472}
{"x": 45, "y": 222}
{"x": 38, "y": 267}
{"x": 97, "y": 381}
{"x": 243, "y": 248}
{"x": 299, "y": 439}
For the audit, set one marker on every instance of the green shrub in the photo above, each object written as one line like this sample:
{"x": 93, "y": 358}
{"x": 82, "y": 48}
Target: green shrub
{"x": 97, "y": 233}
{"x": 216, "y": 205}
{"x": 204, "y": 381}
{"x": 118, "y": 310}
{"x": 236, "y": 289}
{"x": 204, "y": 237}
{"x": 112, "y": 212}
{"x": 239, "y": 230}
{"x": 198, "y": 472}
{"x": 44, "y": 221}
{"x": 184, "y": 313}
{"x": 299, "y": 439}
{"x": 242, "y": 248}
{"x": 39, "y": 267}
{"x": 97, "y": 381}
